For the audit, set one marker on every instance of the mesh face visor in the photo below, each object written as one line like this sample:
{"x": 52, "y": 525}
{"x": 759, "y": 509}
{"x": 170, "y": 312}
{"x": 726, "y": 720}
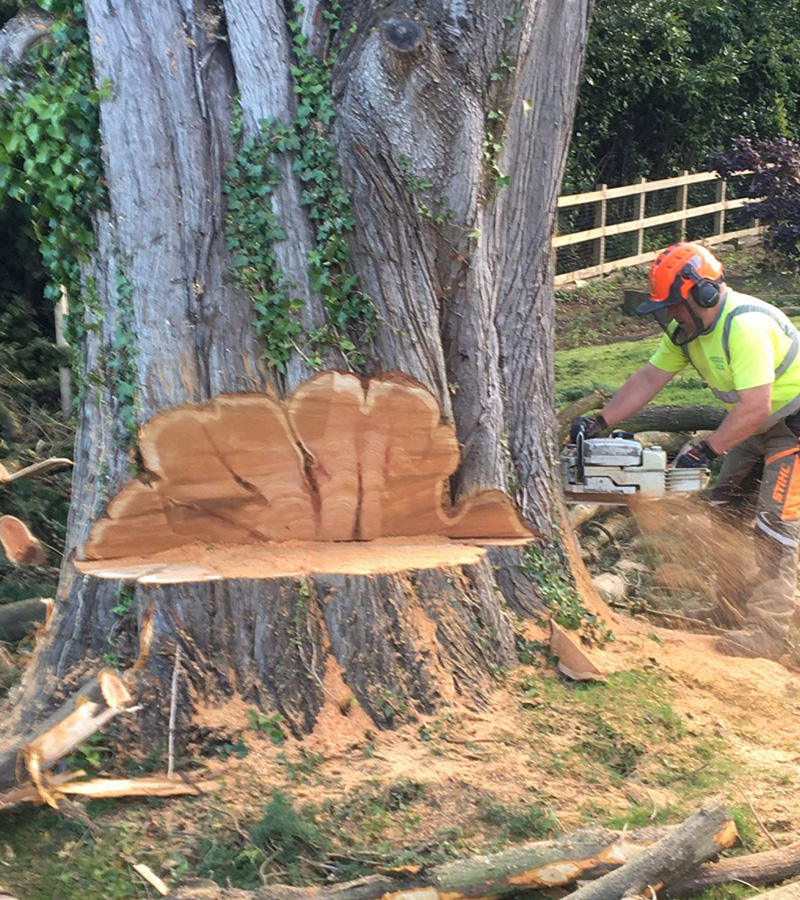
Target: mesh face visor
{"x": 677, "y": 334}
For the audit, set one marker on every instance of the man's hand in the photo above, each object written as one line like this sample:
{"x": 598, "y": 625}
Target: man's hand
{"x": 698, "y": 456}
{"x": 590, "y": 425}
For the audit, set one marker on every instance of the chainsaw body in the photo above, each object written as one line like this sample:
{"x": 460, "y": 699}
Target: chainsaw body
{"x": 613, "y": 469}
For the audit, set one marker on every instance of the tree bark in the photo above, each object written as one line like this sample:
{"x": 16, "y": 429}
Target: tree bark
{"x": 465, "y": 306}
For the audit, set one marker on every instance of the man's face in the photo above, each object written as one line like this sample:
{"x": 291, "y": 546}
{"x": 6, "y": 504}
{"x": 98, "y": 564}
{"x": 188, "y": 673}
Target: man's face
{"x": 681, "y": 314}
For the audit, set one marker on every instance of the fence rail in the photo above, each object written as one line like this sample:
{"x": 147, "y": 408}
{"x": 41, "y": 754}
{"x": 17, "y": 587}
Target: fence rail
{"x": 594, "y": 207}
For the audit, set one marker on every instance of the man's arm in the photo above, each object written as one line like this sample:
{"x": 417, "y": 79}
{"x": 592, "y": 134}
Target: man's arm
{"x": 637, "y": 392}
{"x": 742, "y": 421}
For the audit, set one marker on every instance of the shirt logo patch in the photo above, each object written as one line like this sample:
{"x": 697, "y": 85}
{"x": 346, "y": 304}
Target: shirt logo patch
{"x": 781, "y": 484}
{"x": 719, "y": 362}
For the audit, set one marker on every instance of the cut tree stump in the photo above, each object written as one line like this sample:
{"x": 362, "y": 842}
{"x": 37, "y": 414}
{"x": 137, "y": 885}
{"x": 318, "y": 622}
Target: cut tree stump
{"x": 343, "y": 460}
{"x": 19, "y": 545}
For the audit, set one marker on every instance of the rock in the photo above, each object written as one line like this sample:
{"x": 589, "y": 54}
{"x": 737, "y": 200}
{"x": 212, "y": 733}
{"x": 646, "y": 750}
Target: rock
{"x": 748, "y": 240}
{"x": 626, "y": 566}
{"x": 613, "y": 587}
{"x": 724, "y": 248}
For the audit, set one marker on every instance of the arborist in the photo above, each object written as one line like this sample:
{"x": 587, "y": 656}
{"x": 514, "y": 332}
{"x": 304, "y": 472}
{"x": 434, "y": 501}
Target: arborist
{"x": 746, "y": 351}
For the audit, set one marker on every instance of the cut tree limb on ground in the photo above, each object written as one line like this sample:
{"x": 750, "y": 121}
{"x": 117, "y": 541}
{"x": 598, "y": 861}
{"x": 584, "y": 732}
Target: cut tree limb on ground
{"x": 586, "y": 854}
{"x": 108, "y": 789}
{"x": 674, "y": 418}
{"x": 755, "y": 869}
{"x": 18, "y": 619}
{"x": 102, "y": 698}
{"x": 700, "y": 838}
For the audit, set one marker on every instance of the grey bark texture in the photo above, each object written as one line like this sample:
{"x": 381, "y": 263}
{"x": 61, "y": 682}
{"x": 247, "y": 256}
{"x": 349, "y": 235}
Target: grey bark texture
{"x": 465, "y": 306}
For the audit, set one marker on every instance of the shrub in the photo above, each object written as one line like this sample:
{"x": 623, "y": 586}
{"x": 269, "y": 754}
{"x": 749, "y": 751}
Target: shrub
{"x": 774, "y": 188}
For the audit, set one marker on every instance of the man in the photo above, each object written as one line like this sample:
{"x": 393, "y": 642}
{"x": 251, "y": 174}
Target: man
{"x": 747, "y": 352}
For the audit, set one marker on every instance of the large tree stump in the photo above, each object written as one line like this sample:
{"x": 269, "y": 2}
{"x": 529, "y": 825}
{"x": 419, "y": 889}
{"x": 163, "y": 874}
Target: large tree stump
{"x": 286, "y": 544}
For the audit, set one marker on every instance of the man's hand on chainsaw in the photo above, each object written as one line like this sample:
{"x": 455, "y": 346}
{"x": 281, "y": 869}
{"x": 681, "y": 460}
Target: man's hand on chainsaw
{"x": 696, "y": 456}
{"x": 591, "y": 426}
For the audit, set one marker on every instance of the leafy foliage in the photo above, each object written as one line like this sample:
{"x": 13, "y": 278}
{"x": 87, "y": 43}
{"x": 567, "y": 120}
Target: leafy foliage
{"x": 49, "y": 154}
{"x": 666, "y": 82}
{"x": 774, "y": 188}
{"x": 253, "y": 228}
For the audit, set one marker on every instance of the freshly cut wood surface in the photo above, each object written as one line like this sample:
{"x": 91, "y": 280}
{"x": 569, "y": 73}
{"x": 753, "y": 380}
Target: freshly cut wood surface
{"x": 199, "y": 562}
{"x": 19, "y": 544}
{"x": 342, "y": 460}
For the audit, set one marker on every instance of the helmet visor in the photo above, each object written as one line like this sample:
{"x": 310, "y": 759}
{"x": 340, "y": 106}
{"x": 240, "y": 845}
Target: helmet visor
{"x": 678, "y": 334}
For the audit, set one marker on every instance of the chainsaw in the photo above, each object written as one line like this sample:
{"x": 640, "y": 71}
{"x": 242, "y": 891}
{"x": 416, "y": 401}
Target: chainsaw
{"x": 614, "y": 469}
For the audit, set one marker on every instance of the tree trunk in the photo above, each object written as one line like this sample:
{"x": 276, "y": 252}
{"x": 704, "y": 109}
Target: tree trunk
{"x": 450, "y": 135}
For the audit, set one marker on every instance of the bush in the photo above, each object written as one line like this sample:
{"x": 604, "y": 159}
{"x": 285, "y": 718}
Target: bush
{"x": 774, "y": 188}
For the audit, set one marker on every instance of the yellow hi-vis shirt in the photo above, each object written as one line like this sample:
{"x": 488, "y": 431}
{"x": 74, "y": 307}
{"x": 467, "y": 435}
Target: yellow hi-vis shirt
{"x": 752, "y": 343}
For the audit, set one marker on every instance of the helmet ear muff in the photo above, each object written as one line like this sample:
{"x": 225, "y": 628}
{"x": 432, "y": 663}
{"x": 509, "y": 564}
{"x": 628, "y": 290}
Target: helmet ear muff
{"x": 705, "y": 293}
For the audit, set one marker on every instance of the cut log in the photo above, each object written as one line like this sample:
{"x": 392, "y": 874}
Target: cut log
{"x": 755, "y": 869}
{"x": 19, "y": 619}
{"x": 342, "y": 460}
{"x": 46, "y": 465}
{"x": 19, "y": 545}
{"x": 588, "y": 853}
{"x": 700, "y": 838}
{"x": 674, "y": 418}
{"x": 102, "y": 697}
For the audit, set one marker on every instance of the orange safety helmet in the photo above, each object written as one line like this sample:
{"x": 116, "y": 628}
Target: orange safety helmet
{"x": 681, "y": 271}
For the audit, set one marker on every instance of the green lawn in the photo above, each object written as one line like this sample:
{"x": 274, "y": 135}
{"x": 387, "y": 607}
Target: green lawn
{"x": 606, "y": 366}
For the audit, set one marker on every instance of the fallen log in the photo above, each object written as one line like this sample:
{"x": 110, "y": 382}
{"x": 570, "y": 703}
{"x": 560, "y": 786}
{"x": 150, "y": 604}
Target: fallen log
{"x": 102, "y": 698}
{"x": 756, "y": 869}
{"x": 700, "y": 838}
{"x": 674, "y": 418}
{"x": 18, "y": 619}
{"x": 585, "y": 854}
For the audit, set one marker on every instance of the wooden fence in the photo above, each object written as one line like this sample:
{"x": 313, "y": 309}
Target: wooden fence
{"x": 596, "y": 203}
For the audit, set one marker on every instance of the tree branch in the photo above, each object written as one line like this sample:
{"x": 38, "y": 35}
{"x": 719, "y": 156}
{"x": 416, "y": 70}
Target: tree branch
{"x": 17, "y": 37}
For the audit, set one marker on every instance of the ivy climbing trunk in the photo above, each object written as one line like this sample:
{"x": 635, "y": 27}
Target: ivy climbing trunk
{"x": 364, "y": 185}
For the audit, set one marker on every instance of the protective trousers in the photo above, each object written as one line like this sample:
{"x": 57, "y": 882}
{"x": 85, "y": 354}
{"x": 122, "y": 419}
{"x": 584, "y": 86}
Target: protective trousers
{"x": 761, "y": 478}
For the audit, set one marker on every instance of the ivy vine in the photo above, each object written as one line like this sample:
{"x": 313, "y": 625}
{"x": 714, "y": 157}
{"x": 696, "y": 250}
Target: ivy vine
{"x": 253, "y": 228}
{"x": 50, "y": 160}
{"x": 50, "y": 157}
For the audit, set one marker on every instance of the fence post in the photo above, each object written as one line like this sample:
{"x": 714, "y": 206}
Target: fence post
{"x": 719, "y": 217}
{"x": 683, "y": 204}
{"x": 600, "y": 214}
{"x": 639, "y": 209}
